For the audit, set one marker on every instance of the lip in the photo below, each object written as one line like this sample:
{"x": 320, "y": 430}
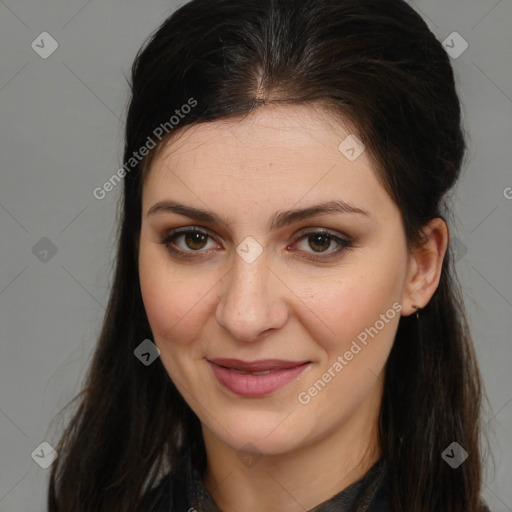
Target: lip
{"x": 227, "y": 372}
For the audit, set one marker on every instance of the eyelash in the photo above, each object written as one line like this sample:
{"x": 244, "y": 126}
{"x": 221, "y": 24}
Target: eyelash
{"x": 169, "y": 238}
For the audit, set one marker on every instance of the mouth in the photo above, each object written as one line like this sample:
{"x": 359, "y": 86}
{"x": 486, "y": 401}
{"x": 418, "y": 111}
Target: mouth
{"x": 256, "y": 378}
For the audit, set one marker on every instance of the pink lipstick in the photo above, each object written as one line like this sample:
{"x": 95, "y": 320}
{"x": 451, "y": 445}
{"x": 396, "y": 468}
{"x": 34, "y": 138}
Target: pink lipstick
{"x": 256, "y": 378}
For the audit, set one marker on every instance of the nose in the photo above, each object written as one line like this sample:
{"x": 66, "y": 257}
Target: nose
{"x": 250, "y": 302}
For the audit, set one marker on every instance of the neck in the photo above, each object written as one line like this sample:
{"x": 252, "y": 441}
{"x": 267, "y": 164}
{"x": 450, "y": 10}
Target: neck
{"x": 299, "y": 479}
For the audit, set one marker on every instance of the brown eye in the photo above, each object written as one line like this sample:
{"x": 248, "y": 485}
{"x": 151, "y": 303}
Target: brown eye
{"x": 187, "y": 241}
{"x": 319, "y": 242}
{"x": 195, "y": 240}
{"x": 319, "y": 245}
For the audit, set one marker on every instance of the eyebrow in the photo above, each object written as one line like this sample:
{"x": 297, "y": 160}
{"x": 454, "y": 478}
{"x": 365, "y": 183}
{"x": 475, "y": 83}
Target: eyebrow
{"x": 279, "y": 220}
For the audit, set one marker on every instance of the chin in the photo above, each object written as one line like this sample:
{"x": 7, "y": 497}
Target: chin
{"x": 260, "y": 434}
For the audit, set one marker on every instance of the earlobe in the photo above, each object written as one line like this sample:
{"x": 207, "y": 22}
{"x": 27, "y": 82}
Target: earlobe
{"x": 417, "y": 308}
{"x": 426, "y": 266}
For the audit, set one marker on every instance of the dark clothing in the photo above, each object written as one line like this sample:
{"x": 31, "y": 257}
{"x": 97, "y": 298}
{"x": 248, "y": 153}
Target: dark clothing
{"x": 184, "y": 491}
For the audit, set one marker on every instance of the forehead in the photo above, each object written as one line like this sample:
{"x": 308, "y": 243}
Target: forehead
{"x": 279, "y": 154}
{"x": 271, "y": 128}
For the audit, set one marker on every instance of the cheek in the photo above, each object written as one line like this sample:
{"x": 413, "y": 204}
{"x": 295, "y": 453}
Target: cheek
{"x": 360, "y": 313}
{"x": 174, "y": 304}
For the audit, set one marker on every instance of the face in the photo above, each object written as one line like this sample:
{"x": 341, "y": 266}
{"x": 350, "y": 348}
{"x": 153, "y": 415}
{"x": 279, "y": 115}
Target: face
{"x": 274, "y": 326}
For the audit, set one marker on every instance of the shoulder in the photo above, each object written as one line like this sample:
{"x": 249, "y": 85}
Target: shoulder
{"x": 380, "y": 499}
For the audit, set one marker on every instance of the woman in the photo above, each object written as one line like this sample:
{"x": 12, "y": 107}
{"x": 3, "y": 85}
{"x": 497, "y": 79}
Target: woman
{"x": 284, "y": 251}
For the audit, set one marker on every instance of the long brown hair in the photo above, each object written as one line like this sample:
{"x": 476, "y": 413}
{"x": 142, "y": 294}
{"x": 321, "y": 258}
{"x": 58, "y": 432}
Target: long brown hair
{"x": 376, "y": 63}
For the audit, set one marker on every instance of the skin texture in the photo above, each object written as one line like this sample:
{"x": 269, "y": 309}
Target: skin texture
{"x": 274, "y": 452}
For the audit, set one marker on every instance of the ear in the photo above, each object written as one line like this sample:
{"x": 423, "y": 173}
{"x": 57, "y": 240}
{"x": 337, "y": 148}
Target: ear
{"x": 425, "y": 264}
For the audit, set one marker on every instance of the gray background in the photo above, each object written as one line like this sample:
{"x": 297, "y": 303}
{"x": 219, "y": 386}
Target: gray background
{"x": 61, "y": 132}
